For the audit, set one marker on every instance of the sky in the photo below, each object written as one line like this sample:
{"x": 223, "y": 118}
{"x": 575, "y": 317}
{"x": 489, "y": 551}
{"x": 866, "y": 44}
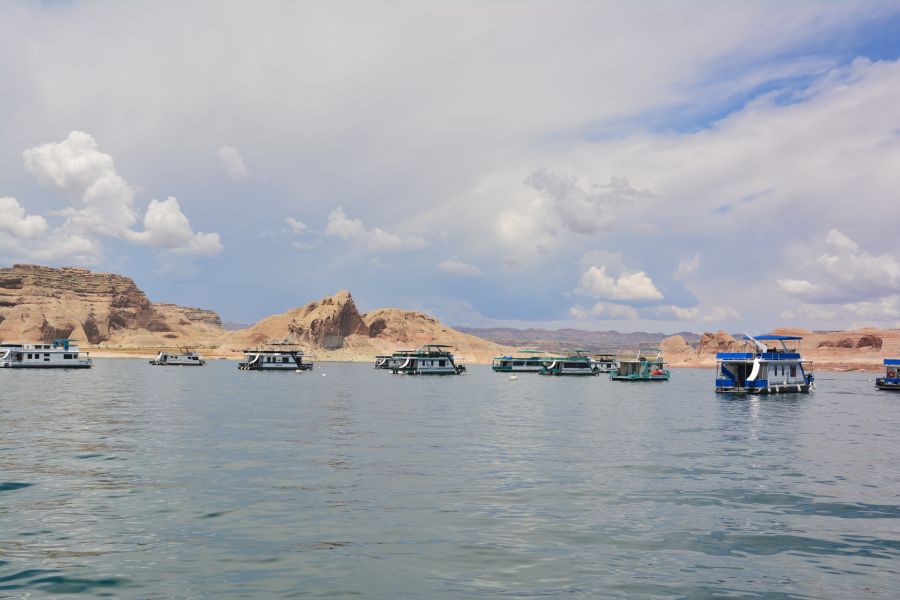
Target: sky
{"x": 639, "y": 166}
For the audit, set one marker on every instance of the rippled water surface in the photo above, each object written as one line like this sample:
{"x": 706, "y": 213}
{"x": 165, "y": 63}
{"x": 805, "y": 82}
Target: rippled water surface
{"x": 132, "y": 481}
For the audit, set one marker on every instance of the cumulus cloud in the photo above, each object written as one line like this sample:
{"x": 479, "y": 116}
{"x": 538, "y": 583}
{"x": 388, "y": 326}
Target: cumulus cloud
{"x": 844, "y": 272}
{"x": 604, "y": 311}
{"x": 104, "y": 206}
{"x": 165, "y": 226}
{"x": 77, "y": 168}
{"x": 18, "y": 224}
{"x": 636, "y": 285}
{"x": 580, "y": 210}
{"x": 457, "y": 267}
{"x": 339, "y": 225}
{"x": 233, "y": 163}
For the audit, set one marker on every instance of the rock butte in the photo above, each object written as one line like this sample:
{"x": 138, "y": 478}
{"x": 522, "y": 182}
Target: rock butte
{"x": 112, "y": 316}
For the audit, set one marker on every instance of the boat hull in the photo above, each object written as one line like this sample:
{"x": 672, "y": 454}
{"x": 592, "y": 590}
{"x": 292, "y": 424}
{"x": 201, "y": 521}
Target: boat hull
{"x": 639, "y": 378}
{"x": 882, "y": 383}
{"x": 21, "y": 366}
{"x": 787, "y": 388}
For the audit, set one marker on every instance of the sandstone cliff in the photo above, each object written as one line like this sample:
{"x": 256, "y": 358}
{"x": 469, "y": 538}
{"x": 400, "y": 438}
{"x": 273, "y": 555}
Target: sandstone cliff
{"x": 42, "y": 303}
{"x": 333, "y": 328}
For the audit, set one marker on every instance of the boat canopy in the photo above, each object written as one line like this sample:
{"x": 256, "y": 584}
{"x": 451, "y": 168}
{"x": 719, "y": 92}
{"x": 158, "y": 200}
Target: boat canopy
{"x": 892, "y": 362}
{"x": 776, "y": 338}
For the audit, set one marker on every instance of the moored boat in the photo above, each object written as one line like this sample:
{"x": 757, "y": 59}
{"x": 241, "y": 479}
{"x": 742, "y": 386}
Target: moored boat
{"x": 275, "y": 356}
{"x": 772, "y": 365}
{"x": 186, "y": 357}
{"x": 891, "y": 379}
{"x": 58, "y": 354}
{"x": 605, "y": 363}
{"x": 578, "y": 363}
{"x": 429, "y": 359}
{"x": 525, "y": 361}
{"x": 647, "y": 365}
{"x": 383, "y": 361}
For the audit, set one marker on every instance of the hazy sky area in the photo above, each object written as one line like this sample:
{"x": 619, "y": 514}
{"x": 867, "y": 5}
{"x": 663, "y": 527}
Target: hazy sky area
{"x": 657, "y": 166}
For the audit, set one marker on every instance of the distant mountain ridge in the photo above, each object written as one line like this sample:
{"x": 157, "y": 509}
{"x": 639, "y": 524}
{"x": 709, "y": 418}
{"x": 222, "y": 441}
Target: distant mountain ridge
{"x": 560, "y": 339}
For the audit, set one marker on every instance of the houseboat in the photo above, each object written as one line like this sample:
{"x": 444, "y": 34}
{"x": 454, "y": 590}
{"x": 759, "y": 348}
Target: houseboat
{"x": 60, "y": 354}
{"x": 772, "y": 365}
{"x": 526, "y": 361}
{"x": 891, "y": 379}
{"x": 186, "y": 357}
{"x": 605, "y": 363}
{"x": 647, "y": 365}
{"x": 578, "y": 363}
{"x": 275, "y": 356}
{"x": 430, "y": 359}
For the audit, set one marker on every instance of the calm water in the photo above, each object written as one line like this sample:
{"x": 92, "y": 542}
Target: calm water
{"x": 132, "y": 481}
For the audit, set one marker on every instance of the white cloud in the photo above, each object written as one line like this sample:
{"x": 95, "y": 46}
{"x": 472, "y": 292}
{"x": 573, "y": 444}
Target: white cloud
{"x": 457, "y": 267}
{"x": 844, "y": 273}
{"x": 686, "y": 266}
{"x": 77, "y": 168}
{"x": 105, "y": 207}
{"x": 233, "y": 163}
{"x": 14, "y": 220}
{"x": 296, "y": 226}
{"x": 604, "y": 311}
{"x": 582, "y": 211}
{"x": 596, "y": 283}
{"x": 165, "y": 226}
{"x": 339, "y": 225}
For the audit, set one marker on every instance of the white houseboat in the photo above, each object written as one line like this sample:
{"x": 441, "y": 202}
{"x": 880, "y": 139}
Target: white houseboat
{"x": 430, "y": 359}
{"x": 525, "y": 361}
{"x": 605, "y": 363}
{"x": 60, "y": 354}
{"x": 772, "y": 365}
{"x": 891, "y": 379}
{"x": 186, "y": 357}
{"x": 275, "y": 356}
{"x": 578, "y": 363}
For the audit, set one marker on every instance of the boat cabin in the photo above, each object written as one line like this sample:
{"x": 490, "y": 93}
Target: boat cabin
{"x": 275, "y": 356}
{"x": 186, "y": 357}
{"x": 525, "y": 361}
{"x": 647, "y": 365}
{"x": 430, "y": 359}
{"x": 60, "y": 353}
{"x": 577, "y": 363}
{"x": 891, "y": 379}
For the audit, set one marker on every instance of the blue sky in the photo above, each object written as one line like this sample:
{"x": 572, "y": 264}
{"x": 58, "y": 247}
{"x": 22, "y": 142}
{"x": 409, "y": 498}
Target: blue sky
{"x": 637, "y": 166}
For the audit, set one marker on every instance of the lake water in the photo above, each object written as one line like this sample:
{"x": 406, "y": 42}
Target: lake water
{"x": 132, "y": 481}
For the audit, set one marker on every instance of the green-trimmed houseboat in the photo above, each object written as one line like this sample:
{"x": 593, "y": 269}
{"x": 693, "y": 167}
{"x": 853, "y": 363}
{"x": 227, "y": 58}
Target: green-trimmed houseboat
{"x": 578, "y": 363}
{"x": 647, "y": 365}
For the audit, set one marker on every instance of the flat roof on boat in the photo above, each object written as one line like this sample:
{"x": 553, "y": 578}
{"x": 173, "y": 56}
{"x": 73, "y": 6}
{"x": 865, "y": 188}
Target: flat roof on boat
{"x": 775, "y": 337}
{"x": 892, "y": 361}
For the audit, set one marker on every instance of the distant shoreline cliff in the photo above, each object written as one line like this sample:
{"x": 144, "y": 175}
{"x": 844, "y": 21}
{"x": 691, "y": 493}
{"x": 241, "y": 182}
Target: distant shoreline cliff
{"x": 110, "y": 315}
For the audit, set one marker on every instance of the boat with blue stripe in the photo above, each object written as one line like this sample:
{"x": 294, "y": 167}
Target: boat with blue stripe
{"x": 891, "y": 379}
{"x": 773, "y": 365}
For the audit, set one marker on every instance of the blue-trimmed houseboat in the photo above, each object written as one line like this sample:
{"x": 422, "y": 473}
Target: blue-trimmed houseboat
{"x": 647, "y": 365}
{"x": 891, "y": 379}
{"x": 772, "y": 366}
{"x": 58, "y": 354}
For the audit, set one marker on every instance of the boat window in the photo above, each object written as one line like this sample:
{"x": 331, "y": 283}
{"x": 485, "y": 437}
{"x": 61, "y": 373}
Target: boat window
{"x": 285, "y": 359}
{"x": 67, "y": 356}
{"x": 793, "y": 370}
{"x": 442, "y": 363}
{"x": 519, "y": 363}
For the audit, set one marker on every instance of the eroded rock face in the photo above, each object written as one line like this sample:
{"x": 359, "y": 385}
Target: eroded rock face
{"x": 870, "y": 341}
{"x": 711, "y": 343}
{"x": 42, "y": 303}
{"x": 318, "y": 324}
